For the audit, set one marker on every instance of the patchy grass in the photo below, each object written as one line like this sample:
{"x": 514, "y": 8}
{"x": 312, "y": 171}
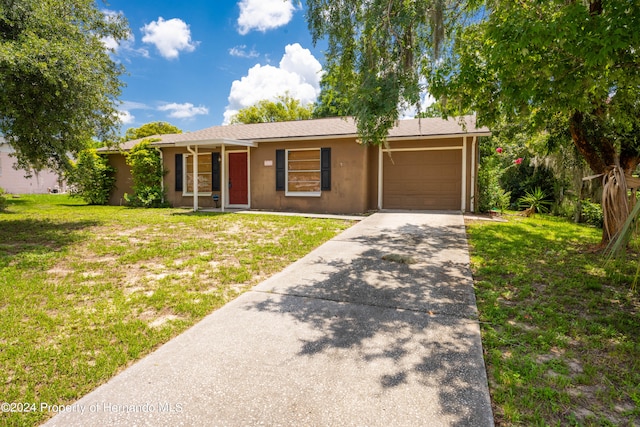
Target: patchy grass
{"x": 87, "y": 290}
{"x": 560, "y": 327}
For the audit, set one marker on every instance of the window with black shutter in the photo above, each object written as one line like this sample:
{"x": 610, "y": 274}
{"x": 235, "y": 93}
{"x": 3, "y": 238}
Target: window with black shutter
{"x": 280, "y": 170}
{"x": 215, "y": 172}
{"x": 179, "y": 171}
{"x": 303, "y": 172}
{"x": 325, "y": 169}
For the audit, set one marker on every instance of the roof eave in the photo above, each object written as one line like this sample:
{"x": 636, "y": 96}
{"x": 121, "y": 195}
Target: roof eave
{"x": 216, "y": 142}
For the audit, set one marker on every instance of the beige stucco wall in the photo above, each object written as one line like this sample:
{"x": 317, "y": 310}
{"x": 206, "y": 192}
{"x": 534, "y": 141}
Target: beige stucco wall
{"x": 354, "y": 176}
{"x": 349, "y": 179}
{"x": 176, "y": 198}
{"x": 349, "y": 189}
{"x": 124, "y": 181}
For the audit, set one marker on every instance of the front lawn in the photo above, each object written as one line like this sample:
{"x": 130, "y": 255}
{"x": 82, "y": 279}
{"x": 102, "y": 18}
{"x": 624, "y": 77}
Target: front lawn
{"x": 560, "y": 327}
{"x": 87, "y": 290}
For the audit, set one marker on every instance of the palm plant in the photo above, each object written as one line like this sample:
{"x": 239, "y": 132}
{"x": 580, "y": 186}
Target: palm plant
{"x": 620, "y": 241}
{"x": 534, "y": 201}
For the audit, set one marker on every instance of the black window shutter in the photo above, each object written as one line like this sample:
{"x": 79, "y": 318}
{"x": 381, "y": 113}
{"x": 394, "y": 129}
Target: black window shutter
{"x": 325, "y": 169}
{"x": 215, "y": 172}
{"x": 280, "y": 170}
{"x": 179, "y": 172}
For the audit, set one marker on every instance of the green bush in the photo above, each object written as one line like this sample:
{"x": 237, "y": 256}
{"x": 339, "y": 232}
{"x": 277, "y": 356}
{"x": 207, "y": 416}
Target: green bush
{"x": 147, "y": 174}
{"x": 535, "y": 200}
{"x": 91, "y": 178}
{"x": 3, "y": 200}
{"x": 489, "y": 190}
{"x": 503, "y": 200}
{"x": 592, "y": 213}
{"x": 523, "y": 178}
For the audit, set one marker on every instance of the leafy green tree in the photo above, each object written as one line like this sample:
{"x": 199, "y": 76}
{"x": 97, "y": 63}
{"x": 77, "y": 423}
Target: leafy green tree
{"x": 58, "y": 84}
{"x": 379, "y": 52}
{"x": 333, "y": 100}
{"x": 91, "y": 178}
{"x": 544, "y": 62}
{"x": 433, "y": 110}
{"x": 527, "y": 62}
{"x": 3, "y": 200}
{"x": 150, "y": 129}
{"x": 147, "y": 174}
{"x": 284, "y": 109}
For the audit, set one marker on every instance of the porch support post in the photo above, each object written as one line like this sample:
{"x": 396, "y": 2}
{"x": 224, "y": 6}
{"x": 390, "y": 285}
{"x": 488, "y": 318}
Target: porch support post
{"x": 194, "y": 153}
{"x": 225, "y": 181}
{"x": 249, "y": 177}
{"x": 474, "y": 156}
{"x": 463, "y": 204}
{"x": 380, "y": 171}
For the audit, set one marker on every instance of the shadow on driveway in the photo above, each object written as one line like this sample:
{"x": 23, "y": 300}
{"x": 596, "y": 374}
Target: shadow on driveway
{"x": 404, "y": 306}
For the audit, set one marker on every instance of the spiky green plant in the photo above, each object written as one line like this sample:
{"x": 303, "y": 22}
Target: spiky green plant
{"x": 535, "y": 201}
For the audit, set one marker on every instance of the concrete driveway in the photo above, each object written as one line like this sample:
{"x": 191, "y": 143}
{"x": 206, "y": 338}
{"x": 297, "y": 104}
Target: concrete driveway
{"x": 376, "y": 327}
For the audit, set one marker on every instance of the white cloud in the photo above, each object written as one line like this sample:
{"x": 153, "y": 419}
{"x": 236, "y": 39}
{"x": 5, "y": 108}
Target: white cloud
{"x": 110, "y": 42}
{"x": 169, "y": 37}
{"x": 132, "y": 105}
{"x": 124, "y": 47}
{"x": 124, "y": 114}
{"x": 410, "y": 112}
{"x": 241, "y": 52}
{"x": 297, "y": 75}
{"x": 126, "y": 118}
{"x": 263, "y": 15}
{"x": 127, "y": 45}
{"x": 183, "y": 111}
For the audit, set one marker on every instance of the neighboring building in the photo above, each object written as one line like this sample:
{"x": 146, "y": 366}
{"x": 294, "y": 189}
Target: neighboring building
{"x": 318, "y": 166}
{"x": 13, "y": 181}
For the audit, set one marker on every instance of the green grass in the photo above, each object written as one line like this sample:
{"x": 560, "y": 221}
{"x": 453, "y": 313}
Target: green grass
{"x": 560, "y": 327}
{"x": 87, "y": 290}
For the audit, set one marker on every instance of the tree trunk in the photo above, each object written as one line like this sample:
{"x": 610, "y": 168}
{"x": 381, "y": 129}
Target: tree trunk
{"x": 615, "y": 203}
{"x": 603, "y": 159}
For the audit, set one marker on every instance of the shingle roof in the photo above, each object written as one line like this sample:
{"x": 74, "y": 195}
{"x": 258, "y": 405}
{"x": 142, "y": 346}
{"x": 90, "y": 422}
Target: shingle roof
{"x": 335, "y": 127}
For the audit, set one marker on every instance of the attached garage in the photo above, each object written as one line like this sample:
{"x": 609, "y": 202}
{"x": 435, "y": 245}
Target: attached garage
{"x": 431, "y": 172}
{"x": 423, "y": 180}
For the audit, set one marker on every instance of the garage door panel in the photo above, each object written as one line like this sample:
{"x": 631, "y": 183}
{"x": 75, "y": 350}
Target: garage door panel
{"x": 422, "y": 180}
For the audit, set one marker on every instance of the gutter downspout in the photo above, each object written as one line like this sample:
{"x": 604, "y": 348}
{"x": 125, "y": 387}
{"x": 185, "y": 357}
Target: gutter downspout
{"x": 195, "y": 177}
{"x": 162, "y": 170}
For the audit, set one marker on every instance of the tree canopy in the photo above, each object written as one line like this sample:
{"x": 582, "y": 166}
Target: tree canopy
{"x": 379, "y": 53}
{"x": 150, "y": 129}
{"x": 576, "y": 62}
{"x": 58, "y": 84}
{"x": 333, "y": 100}
{"x": 573, "y": 62}
{"x": 284, "y": 109}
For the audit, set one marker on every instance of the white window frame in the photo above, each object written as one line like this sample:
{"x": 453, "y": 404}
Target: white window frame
{"x": 286, "y": 174}
{"x": 186, "y": 181}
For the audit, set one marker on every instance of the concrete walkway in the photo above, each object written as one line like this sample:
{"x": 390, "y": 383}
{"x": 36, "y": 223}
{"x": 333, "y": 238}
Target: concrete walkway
{"x": 377, "y": 327}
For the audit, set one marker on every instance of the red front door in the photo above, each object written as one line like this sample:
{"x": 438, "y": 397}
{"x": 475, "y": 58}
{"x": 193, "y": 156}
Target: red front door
{"x": 238, "y": 187}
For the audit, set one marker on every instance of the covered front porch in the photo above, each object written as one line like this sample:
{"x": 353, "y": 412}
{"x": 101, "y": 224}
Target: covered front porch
{"x": 229, "y": 169}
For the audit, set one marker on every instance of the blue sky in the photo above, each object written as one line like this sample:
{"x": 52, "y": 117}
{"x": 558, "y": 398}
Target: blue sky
{"x": 194, "y": 63}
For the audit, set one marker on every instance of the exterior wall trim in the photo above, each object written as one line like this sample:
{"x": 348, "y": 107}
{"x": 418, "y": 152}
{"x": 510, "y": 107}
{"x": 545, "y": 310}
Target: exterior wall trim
{"x": 463, "y": 201}
{"x": 391, "y": 150}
